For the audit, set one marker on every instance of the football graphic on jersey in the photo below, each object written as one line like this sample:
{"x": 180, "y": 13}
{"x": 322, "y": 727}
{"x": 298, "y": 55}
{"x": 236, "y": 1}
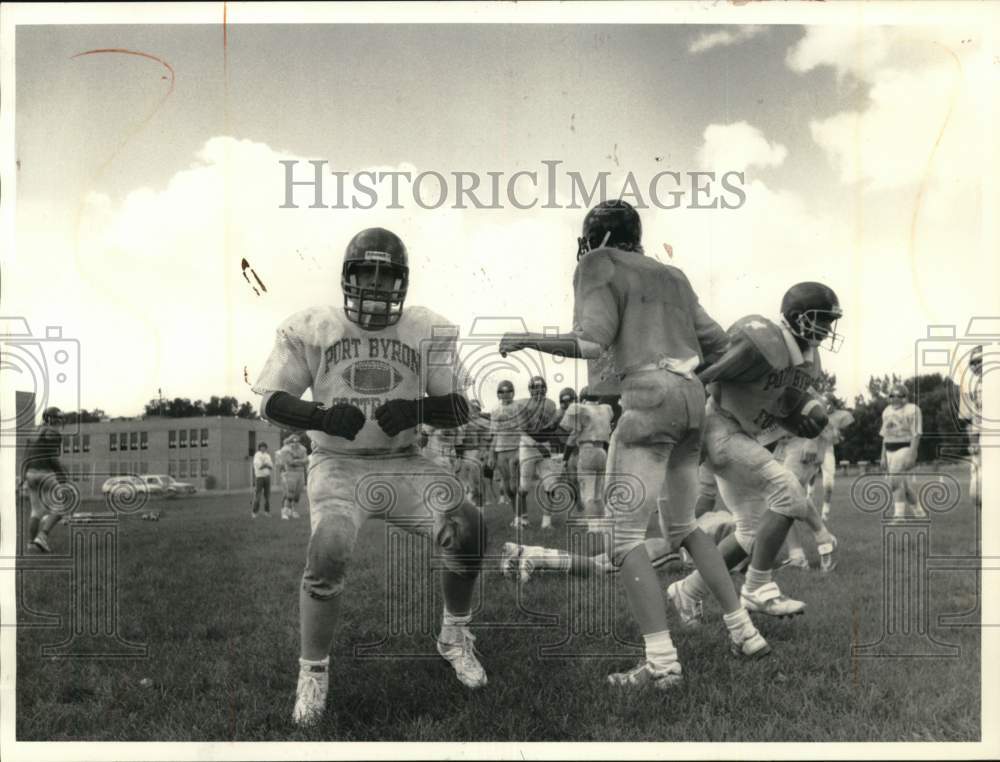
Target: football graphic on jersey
{"x": 372, "y": 377}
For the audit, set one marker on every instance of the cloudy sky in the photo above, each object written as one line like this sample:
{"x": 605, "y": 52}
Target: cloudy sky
{"x": 142, "y": 184}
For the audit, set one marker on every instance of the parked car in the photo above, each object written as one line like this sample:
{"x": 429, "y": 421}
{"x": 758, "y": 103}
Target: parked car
{"x": 132, "y": 482}
{"x": 169, "y": 485}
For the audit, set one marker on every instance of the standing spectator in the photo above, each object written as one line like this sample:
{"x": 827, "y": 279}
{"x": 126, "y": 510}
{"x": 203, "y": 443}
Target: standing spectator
{"x": 263, "y": 466}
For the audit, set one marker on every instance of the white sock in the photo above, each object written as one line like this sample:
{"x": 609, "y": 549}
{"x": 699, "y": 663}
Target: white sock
{"x": 899, "y": 510}
{"x": 796, "y": 553}
{"x": 694, "y": 585}
{"x": 756, "y": 578}
{"x": 826, "y": 507}
{"x": 737, "y": 621}
{"x": 660, "y": 651}
{"x": 314, "y": 666}
{"x": 451, "y": 625}
{"x": 546, "y": 521}
{"x": 547, "y": 558}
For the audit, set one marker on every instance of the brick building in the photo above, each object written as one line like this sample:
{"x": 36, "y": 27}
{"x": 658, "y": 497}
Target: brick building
{"x": 210, "y": 453}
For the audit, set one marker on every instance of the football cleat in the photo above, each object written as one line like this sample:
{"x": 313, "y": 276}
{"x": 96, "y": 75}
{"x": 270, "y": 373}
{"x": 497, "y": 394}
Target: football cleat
{"x": 825, "y": 513}
{"x": 645, "y": 675}
{"x": 42, "y": 543}
{"x": 748, "y": 642}
{"x": 310, "y": 696}
{"x": 295, "y": 514}
{"x": 688, "y": 608}
{"x": 827, "y": 563}
{"x": 462, "y": 657}
{"x": 769, "y": 600}
{"x": 286, "y": 515}
{"x": 795, "y": 562}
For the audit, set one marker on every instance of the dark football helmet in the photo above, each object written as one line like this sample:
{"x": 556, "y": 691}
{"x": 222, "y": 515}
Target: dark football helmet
{"x": 537, "y": 386}
{"x": 371, "y": 256}
{"x": 505, "y": 387}
{"x": 52, "y": 416}
{"x": 811, "y": 311}
{"x": 567, "y": 397}
{"x": 610, "y": 223}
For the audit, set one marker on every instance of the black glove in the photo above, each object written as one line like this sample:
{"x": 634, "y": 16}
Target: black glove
{"x": 342, "y": 420}
{"x": 398, "y": 415}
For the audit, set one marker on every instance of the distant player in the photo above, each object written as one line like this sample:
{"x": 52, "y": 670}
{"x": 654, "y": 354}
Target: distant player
{"x": 538, "y": 418}
{"x": 589, "y": 424}
{"x": 971, "y": 411}
{"x": 567, "y": 398}
{"x": 647, "y": 315}
{"x": 505, "y": 440}
{"x": 376, "y": 372}
{"x": 41, "y": 471}
{"x": 902, "y": 427}
{"x": 473, "y": 447}
{"x": 760, "y": 392}
{"x": 830, "y": 437}
{"x": 293, "y": 459}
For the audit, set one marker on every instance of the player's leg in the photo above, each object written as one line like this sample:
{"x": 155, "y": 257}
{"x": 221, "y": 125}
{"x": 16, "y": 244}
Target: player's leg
{"x": 334, "y": 520}
{"x": 895, "y": 462}
{"x": 457, "y": 527}
{"x": 298, "y": 482}
{"x": 829, "y": 474}
{"x": 800, "y": 459}
{"x": 683, "y": 530}
{"x": 33, "y": 478}
{"x": 267, "y": 495}
{"x": 527, "y": 464}
{"x": 286, "y": 501}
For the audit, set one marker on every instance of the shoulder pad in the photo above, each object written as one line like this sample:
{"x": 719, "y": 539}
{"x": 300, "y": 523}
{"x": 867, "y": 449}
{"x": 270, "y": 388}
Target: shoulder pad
{"x": 595, "y": 269}
{"x": 766, "y": 338}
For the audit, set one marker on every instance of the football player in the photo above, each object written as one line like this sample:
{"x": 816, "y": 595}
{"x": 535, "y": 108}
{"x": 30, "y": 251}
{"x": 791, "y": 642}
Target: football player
{"x": 567, "y": 398}
{"x": 831, "y": 436}
{"x": 902, "y": 426}
{"x": 505, "y": 439}
{"x": 376, "y": 372}
{"x": 647, "y": 316}
{"x": 589, "y": 424}
{"x": 41, "y": 471}
{"x": 971, "y": 411}
{"x": 474, "y": 441}
{"x": 539, "y": 419}
{"x": 759, "y": 392}
{"x": 292, "y": 461}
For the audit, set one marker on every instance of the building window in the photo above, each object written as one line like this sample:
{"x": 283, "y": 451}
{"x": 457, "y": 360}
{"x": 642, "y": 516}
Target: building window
{"x": 113, "y": 442}
{"x": 193, "y": 467}
{"x": 144, "y": 440}
{"x": 204, "y": 437}
{"x": 133, "y": 443}
{"x": 204, "y": 466}
{"x": 184, "y": 438}
{"x": 123, "y": 441}
{"x": 252, "y": 441}
{"x": 76, "y": 443}
{"x": 172, "y": 468}
{"x": 86, "y": 442}
{"x": 194, "y": 437}
{"x": 182, "y": 468}
{"x": 171, "y": 438}
{"x": 65, "y": 443}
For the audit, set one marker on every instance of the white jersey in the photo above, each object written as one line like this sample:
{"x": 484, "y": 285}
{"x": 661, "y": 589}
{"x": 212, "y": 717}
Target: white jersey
{"x": 341, "y": 362}
{"x": 901, "y": 425}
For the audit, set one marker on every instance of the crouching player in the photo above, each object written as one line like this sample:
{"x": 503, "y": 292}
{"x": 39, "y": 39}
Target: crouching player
{"x": 292, "y": 462}
{"x": 648, "y": 316}
{"x": 759, "y": 393}
{"x": 344, "y": 354}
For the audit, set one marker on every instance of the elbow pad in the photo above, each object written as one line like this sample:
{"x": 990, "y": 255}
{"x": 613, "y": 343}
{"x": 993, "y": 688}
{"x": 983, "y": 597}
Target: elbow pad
{"x": 444, "y": 412}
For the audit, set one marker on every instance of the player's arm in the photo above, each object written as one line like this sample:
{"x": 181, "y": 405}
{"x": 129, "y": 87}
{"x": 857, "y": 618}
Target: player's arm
{"x": 741, "y": 362}
{"x": 595, "y": 318}
{"x": 340, "y": 420}
{"x": 918, "y": 430}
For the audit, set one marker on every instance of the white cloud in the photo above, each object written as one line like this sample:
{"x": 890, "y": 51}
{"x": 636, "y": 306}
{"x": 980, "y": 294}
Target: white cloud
{"x": 724, "y": 38}
{"x": 735, "y": 147}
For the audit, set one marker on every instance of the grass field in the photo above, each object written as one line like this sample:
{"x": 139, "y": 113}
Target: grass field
{"x": 214, "y": 595}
